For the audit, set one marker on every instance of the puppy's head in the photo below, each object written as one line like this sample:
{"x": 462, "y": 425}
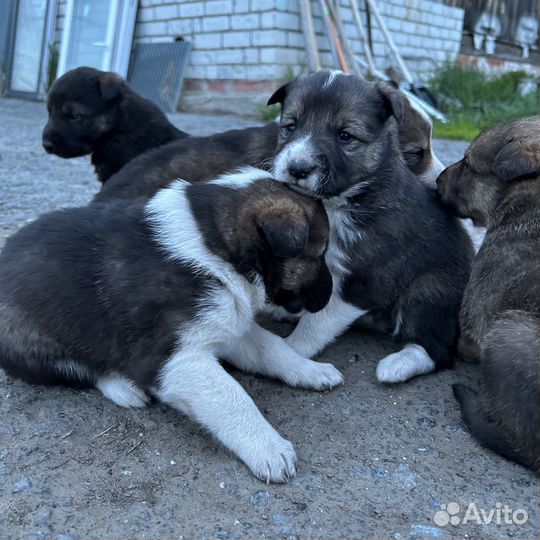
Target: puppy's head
{"x": 415, "y": 130}
{"x": 496, "y": 160}
{"x": 83, "y": 106}
{"x": 288, "y": 239}
{"x": 336, "y": 131}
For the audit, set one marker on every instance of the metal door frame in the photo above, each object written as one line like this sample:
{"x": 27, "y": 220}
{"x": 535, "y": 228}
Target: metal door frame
{"x": 47, "y": 42}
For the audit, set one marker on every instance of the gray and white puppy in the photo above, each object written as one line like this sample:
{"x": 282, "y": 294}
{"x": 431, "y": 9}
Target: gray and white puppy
{"x": 396, "y": 255}
{"x": 497, "y": 184}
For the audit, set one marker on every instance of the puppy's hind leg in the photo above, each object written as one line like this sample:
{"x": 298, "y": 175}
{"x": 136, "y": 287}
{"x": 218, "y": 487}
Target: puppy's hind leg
{"x": 195, "y": 384}
{"x": 121, "y": 390}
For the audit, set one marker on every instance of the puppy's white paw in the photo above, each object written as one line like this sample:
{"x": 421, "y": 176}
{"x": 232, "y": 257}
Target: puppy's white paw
{"x": 272, "y": 459}
{"x": 315, "y": 375}
{"x": 412, "y": 360}
{"x": 121, "y": 391}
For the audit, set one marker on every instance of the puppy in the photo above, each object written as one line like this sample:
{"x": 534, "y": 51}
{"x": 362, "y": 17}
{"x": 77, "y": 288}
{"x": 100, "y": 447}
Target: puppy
{"x": 396, "y": 255}
{"x": 134, "y": 299}
{"x": 96, "y": 112}
{"x": 201, "y": 158}
{"x": 415, "y": 134}
{"x": 497, "y": 184}
{"x": 193, "y": 159}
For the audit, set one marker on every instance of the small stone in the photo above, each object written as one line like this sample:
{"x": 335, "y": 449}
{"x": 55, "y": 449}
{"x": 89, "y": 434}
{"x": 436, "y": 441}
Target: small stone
{"x": 451, "y": 428}
{"x": 42, "y": 516}
{"x": 23, "y": 484}
{"x": 425, "y": 531}
{"x": 66, "y": 537}
{"x": 284, "y": 523}
{"x": 405, "y": 476}
{"x": 222, "y": 534}
{"x": 426, "y": 422}
{"x": 260, "y": 498}
{"x": 379, "y": 472}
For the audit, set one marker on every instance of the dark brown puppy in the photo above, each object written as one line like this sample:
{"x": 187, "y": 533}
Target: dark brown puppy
{"x": 192, "y": 159}
{"x": 497, "y": 184}
{"x": 96, "y": 112}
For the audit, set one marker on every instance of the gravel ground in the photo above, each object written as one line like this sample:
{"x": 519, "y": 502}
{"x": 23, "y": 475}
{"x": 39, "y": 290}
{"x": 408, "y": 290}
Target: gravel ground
{"x": 374, "y": 461}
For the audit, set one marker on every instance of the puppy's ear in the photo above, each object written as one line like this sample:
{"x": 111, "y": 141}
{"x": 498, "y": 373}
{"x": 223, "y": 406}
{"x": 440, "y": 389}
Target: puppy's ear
{"x": 392, "y": 100}
{"x": 279, "y": 95}
{"x": 110, "y": 86}
{"x": 317, "y": 294}
{"x": 287, "y": 235}
{"x": 517, "y": 159}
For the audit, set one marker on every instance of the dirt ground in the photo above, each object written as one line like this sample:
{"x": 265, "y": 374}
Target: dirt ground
{"x": 374, "y": 461}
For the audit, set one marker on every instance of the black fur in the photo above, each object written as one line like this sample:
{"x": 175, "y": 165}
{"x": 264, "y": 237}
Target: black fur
{"x": 96, "y": 112}
{"x": 408, "y": 258}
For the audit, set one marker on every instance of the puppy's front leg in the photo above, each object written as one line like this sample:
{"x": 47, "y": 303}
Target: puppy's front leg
{"x": 196, "y": 384}
{"x": 260, "y": 351}
{"x": 316, "y": 330}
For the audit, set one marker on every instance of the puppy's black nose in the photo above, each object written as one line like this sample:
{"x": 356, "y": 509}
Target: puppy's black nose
{"x": 48, "y": 145}
{"x": 301, "y": 169}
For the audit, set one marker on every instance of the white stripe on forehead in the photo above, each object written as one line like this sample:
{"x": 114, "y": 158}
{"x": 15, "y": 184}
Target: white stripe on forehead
{"x": 331, "y": 77}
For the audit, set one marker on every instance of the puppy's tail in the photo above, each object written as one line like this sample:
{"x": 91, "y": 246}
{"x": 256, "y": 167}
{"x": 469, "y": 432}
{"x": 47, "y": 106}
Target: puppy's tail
{"x": 505, "y": 416}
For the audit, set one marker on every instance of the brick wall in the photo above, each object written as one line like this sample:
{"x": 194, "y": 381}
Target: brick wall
{"x": 243, "y": 48}
{"x": 259, "y": 42}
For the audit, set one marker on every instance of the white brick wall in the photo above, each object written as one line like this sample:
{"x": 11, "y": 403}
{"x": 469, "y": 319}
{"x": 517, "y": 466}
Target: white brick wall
{"x": 426, "y": 32}
{"x": 261, "y": 40}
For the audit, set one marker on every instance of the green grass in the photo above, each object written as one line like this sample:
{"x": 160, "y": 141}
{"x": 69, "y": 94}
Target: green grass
{"x": 474, "y": 101}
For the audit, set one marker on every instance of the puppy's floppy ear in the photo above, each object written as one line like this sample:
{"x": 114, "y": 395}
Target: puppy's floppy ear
{"x": 110, "y": 86}
{"x": 392, "y": 100}
{"x": 517, "y": 159}
{"x": 279, "y": 95}
{"x": 286, "y": 234}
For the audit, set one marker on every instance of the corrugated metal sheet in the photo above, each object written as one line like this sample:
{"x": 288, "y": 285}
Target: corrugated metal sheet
{"x": 509, "y": 13}
{"x": 157, "y": 71}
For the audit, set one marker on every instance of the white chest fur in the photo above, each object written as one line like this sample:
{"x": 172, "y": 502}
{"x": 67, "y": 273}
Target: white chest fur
{"x": 225, "y": 310}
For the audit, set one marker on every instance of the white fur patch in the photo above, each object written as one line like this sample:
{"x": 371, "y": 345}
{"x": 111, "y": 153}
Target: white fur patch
{"x": 192, "y": 379}
{"x": 316, "y": 330}
{"x": 121, "y": 390}
{"x": 412, "y": 360}
{"x": 301, "y": 150}
{"x": 259, "y": 351}
{"x": 430, "y": 175}
{"x": 242, "y": 178}
{"x": 193, "y": 382}
{"x": 331, "y": 78}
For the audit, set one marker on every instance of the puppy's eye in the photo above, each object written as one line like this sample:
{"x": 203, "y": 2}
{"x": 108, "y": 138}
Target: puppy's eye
{"x": 290, "y": 127}
{"x": 345, "y": 136}
{"x": 74, "y": 116}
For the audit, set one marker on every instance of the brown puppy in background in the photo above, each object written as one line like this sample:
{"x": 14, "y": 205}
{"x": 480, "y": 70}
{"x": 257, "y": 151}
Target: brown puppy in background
{"x": 497, "y": 184}
{"x": 97, "y": 112}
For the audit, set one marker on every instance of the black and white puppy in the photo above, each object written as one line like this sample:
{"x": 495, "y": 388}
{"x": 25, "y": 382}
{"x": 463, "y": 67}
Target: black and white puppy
{"x": 97, "y": 112}
{"x": 397, "y": 257}
{"x": 134, "y": 299}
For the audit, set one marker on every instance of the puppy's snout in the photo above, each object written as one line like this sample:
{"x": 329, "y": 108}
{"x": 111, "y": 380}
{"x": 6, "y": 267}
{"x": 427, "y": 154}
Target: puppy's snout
{"x": 48, "y": 145}
{"x": 301, "y": 168}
